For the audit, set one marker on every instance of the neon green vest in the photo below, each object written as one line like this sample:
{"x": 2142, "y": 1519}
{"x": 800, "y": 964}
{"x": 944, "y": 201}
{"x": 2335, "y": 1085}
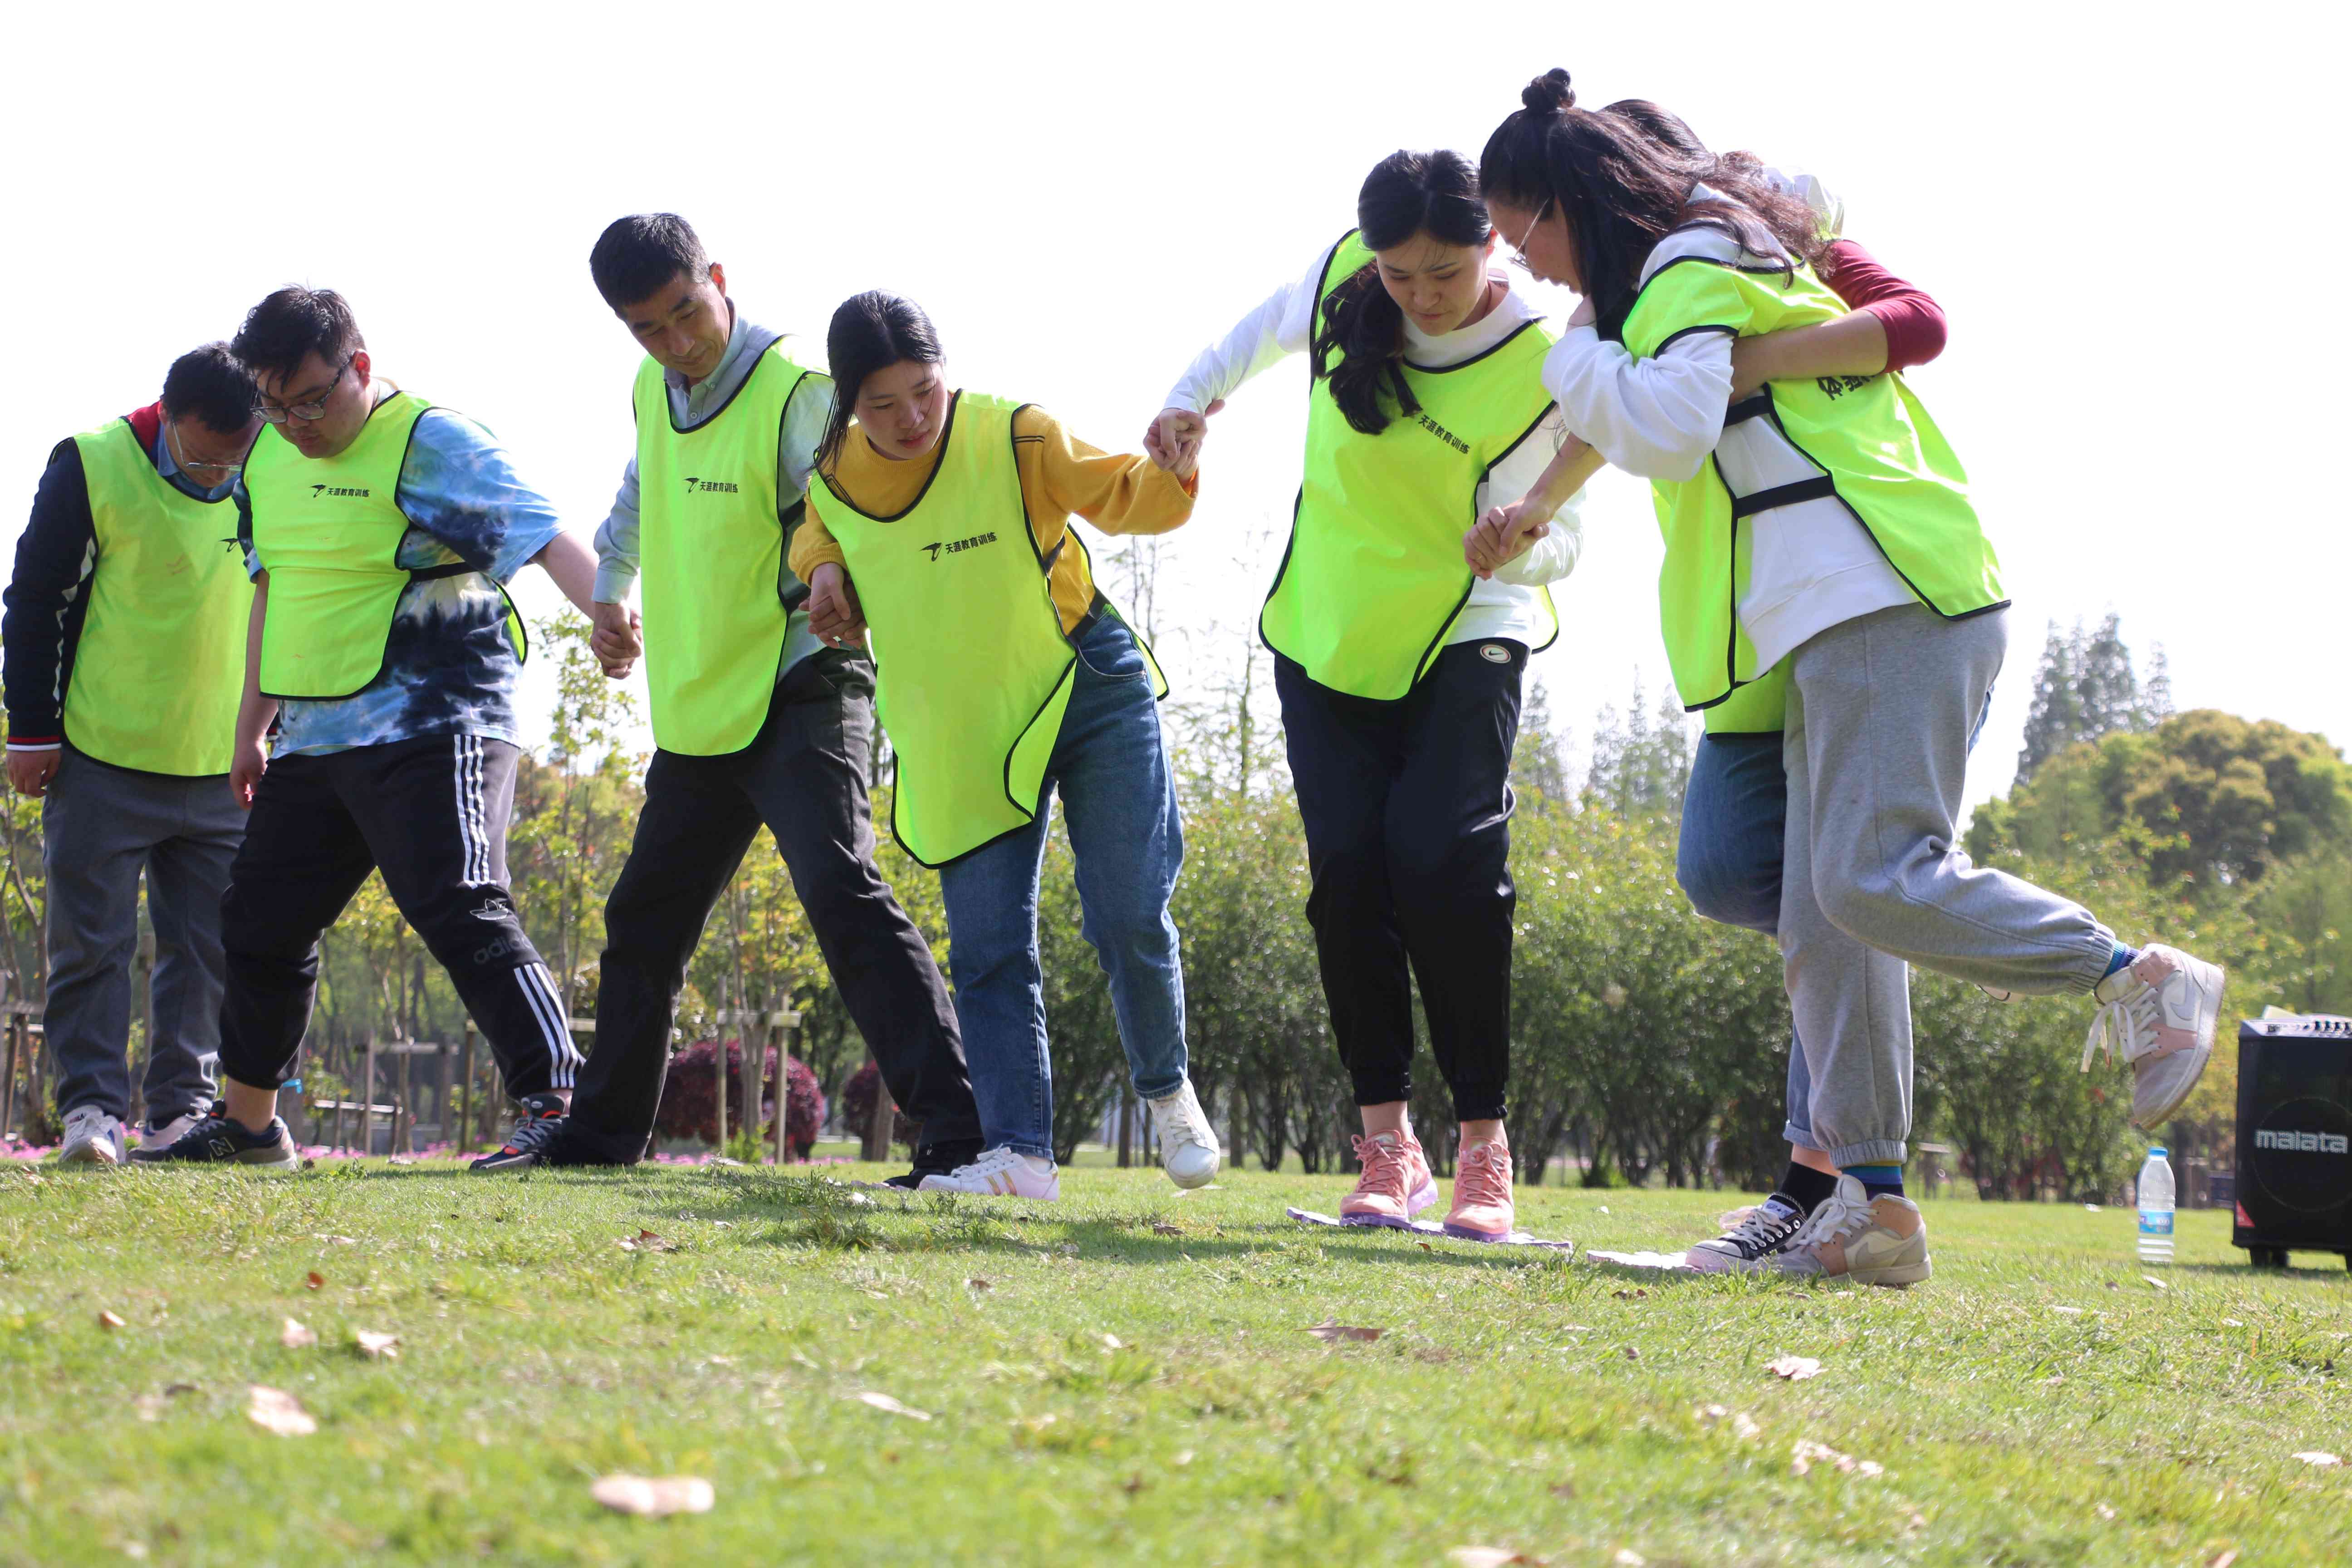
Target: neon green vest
{"x": 1373, "y": 579}
{"x": 327, "y": 531}
{"x": 973, "y": 672}
{"x": 160, "y": 668}
{"x": 1871, "y": 444}
{"x": 711, "y": 558}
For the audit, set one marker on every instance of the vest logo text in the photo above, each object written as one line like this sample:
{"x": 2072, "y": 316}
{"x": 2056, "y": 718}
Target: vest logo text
{"x": 2302, "y": 1142}
{"x": 721, "y": 487}
{"x": 317, "y": 491}
{"x": 951, "y": 545}
{"x": 1443, "y": 434}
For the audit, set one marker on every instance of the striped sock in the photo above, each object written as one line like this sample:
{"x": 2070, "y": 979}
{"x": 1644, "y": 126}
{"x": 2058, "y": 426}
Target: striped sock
{"x": 1877, "y": 1181}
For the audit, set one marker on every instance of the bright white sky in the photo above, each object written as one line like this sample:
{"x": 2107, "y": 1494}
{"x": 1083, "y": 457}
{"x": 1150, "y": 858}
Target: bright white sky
{"x": 2122, "y": 212}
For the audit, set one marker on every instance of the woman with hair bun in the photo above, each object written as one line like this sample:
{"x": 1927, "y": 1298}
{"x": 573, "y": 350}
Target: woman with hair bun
{"x": 1822, "y": 528}
{"x": 1399, "y": 666}
{"x": 940, "y": 519}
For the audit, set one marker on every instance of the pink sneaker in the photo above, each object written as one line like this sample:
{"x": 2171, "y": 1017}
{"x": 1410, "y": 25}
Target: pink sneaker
{"x": 1396, "y": 1183}
{"x": 1483, "y": 1210}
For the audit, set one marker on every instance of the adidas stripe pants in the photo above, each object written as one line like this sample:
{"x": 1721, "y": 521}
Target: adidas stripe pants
{"x": 431, "y": 814}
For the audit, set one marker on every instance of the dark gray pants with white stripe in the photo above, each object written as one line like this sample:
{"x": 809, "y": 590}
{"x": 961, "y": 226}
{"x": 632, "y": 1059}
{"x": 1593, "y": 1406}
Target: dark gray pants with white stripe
{"x": 431, "y": 814}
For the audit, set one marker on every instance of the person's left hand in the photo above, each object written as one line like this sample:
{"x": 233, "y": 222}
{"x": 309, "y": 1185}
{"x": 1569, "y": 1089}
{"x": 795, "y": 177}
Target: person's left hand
{"x": 834, "y": 617}
{"x": 1504, "y": 533}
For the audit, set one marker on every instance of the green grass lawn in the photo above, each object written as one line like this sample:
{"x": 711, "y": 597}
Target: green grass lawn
{"x": 1126, "y": 1377}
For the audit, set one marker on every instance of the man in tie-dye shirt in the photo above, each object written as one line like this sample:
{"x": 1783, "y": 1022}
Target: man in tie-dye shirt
{"x": 409, "y": 770}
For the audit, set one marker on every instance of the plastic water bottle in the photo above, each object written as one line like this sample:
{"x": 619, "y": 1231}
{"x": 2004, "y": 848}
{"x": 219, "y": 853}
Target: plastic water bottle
{"x": 2156, "y": 1208}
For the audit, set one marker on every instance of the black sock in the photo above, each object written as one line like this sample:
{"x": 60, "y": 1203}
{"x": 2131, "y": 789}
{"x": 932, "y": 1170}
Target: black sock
{"x": 1805, "y": 1187}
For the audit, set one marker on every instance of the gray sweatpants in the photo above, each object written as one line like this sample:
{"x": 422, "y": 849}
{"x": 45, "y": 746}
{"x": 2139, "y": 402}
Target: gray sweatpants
{"x": 100, "y": 826}
{"x": 1875, "y": 747}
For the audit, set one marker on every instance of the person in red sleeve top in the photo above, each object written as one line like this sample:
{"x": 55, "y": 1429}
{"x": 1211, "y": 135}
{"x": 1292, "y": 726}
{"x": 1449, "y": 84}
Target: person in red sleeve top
{"x": 124, "y": 649}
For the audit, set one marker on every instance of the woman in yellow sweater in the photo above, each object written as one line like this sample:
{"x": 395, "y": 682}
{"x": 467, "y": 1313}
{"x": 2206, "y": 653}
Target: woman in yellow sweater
{"x": 940, "y": 529}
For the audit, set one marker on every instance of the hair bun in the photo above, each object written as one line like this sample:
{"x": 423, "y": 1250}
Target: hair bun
{"x": 1550, "y": 93}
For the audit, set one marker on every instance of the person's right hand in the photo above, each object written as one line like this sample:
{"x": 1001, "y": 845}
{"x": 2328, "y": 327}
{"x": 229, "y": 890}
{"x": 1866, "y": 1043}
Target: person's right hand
{"x": 29, "y": 773}
{"x": 834, "y": 617}
{"x": 1173, "y": 439}
{"x": 1504, "y": 533}
{"x": 251, "y": 760}
{"x": 615, "y": 641}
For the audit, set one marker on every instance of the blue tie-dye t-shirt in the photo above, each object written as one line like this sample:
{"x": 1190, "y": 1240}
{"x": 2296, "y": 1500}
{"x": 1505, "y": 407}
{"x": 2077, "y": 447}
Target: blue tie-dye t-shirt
{"x": 448, "y": 667}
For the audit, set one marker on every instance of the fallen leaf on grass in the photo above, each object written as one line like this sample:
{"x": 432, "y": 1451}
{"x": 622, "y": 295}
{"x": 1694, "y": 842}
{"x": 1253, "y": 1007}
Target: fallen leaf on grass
{"x": 275, "y": 1410}
{"x": 879, "y": 1295}
{"x": 1631, "y": 1295}
{"x": 1183, "y": 1457}
{"x": 314, "y": 1279}
{"x": 2222, "y": 1559}
{"x": 1425, "y": 1246}
{"x": 295, "y": 1336}
{"x": 1132, "y": 1485}
{"x": 1793, "y": 1368}
{"x": 977, "y": 1284}
{"x": 2105, "y": 1513}
{"x": 2231, "y": 1323}
{"x": 2318, "y": 1458}
{"x": 109, "y": 1321}
{"x": 653, "y": 1495}
{"x": 376, "y": 1346}
{"x": 2153, "y": 1280}
{"x": 1164, "y": 1229}
{"x": 890, "y": 1406}
{"x": 338, "y": 1240}
{"x": 1331, "y": 1332}
{"x": 1111, "y": 1343}
{"x": 645, "y": 1241}
{"x": 1486, "y": 1557}
{"x": 402, "y": 1160}
{"x": 1808, "y": 1453}
{"x": 2069, "y": 1312}
{"x": 1743, "y": 1426}
{"x": 150, "y": 1406}
{"x": 1633, "y": 1354}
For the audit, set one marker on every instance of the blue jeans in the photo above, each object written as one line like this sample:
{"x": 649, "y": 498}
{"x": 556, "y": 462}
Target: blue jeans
{"x": 1118, "y": 798}
{"x": 1728, "y": 859}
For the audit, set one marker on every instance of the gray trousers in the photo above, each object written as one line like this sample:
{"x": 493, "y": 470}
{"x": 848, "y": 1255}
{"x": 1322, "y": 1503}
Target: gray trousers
{"x": 1875, "y": 747}
{"x": 100, "y": 826}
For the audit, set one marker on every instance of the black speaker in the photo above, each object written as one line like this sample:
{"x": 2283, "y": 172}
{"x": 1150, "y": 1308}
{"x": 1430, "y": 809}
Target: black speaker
{"x": 2295, "y": 1138}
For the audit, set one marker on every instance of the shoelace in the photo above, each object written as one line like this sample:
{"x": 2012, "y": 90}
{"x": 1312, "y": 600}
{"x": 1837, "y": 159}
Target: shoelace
{"x": 1761, "y": 1229}
{"x": 1483, "y": 1177}
{"x": 1185, "y": 1123}
{"x": 1383, "y": 1163}
{"x": 1835, "y": 1220}
{"x": 532, "y": 1132}
{"x": 2111, "y": 1025}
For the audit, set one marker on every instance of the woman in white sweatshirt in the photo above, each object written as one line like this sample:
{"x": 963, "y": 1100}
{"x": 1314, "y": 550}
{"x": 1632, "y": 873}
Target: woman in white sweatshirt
{"x": 1819, "y": 529}
{"x": 1399, "y": 667}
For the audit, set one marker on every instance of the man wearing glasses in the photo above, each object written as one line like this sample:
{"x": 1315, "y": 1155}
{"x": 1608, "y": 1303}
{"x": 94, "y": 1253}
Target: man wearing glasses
{"x": 124, "y": 648}
{"x": 380, "y": 533}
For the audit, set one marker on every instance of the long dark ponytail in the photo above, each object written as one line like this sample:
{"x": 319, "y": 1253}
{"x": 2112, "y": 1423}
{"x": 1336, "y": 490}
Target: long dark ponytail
{"x": 1358, "y": 344}
{"x": 870, "y": 331}
{"x": 1623, "y": 188}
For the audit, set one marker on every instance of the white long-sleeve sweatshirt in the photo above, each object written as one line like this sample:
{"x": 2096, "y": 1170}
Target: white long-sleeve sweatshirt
{"x": 1812, "y": 566}
{"x": 1503, "y": 606}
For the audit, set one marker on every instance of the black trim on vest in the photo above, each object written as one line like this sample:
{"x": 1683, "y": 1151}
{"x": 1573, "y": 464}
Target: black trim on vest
{"x": 947, "y": 433}
{"x": 1747, "y": 408}
{"x": 1497, "y": 347}
{"x": 676, "y": 428}
{"x": 1675, "y": 337}
{"x": 1820, "y": 487}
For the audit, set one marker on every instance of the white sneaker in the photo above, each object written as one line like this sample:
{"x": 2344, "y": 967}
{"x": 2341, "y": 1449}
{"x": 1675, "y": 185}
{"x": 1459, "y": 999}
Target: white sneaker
{"x": 93, "y": 1137}
{"x": 1189, "y": 1151}
{"x": 170, "y": 1131}
{"x": 1001, "y": 1172}
{"x": 1853, "y": 1236}
{"x": 2161, "y": 1012}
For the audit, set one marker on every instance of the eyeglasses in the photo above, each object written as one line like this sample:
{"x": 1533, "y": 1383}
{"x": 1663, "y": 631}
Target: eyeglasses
{"x": 1519, "y": 251}
{"x": 189, "y": 466}
{"x": 309, "y": 413}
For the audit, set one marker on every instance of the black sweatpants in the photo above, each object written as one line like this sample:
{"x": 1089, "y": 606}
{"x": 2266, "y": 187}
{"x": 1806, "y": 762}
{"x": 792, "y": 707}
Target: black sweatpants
{"x": 804, "y": 776}
{"x": 1407, "y": 806}
{"x": 432, "y": 815}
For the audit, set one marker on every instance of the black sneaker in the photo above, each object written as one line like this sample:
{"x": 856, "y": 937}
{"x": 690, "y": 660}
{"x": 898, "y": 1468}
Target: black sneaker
{"x": 215, "y": 1139}
{"x": 1751, "y": 1238}
{"x": 937, "y": 1160}
{"x": 541, "y": 1124}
